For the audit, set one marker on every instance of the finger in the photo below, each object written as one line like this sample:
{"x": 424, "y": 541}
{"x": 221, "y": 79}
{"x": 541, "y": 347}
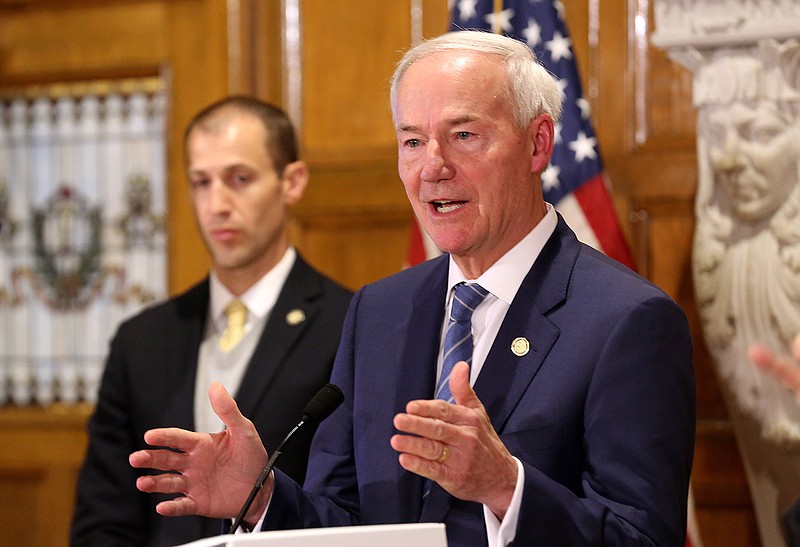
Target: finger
{"x": 172, "y": 437}
{"x": 426, "y": 448}
{"x": 167, "y": 483}
{"x": 796, "y": 347}
{"x": 760, "y": 355}
{"x": 462, "y": 392}
{"x": 788, "y": 374}
{"x": 784, "y": 371}
{"x": 164, "y": 460}
{"x": 225, "y": 407}
{"x": 178, "y": 507}
{"x": 421, "y": 466}
{"x": 425, "y": 426}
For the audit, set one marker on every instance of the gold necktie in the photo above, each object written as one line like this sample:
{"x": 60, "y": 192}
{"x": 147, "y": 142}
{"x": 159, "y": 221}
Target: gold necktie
{"x": 235, "y": 314}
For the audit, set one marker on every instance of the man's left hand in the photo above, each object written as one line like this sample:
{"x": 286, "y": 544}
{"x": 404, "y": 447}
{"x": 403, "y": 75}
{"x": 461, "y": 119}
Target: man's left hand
{"x": 456, "y": 446}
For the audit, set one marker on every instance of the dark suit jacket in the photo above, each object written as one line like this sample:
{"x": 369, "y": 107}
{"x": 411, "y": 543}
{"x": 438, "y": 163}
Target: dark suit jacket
{"x": 149, "y": 382}
{"x": 601, "y": 411}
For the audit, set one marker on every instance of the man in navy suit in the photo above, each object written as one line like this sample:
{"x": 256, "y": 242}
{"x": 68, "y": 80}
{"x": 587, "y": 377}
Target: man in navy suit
{"x": 244, "y": 173}
{"x": 574, "y": 424}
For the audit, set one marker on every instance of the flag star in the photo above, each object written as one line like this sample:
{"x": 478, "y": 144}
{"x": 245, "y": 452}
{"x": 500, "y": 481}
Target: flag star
{"x": 550, "y": 178}
{"x": 562, "y": 85}
{"x": 466, "y": 9}
{"x": 559, "y": 8}
{"x": 503, "y": 20}
{"x": 557, "y": 131}
{"x": 532, "y": 33}
{"x": 583, "y": 147}
{"x": 559, "y": 47}
{"x": 585, "y": 107}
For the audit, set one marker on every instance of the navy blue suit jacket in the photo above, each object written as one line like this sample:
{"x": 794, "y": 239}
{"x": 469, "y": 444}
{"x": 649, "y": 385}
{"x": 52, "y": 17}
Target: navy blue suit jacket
{"x": 601, "y": 411}
{"x": 149, "y": 382}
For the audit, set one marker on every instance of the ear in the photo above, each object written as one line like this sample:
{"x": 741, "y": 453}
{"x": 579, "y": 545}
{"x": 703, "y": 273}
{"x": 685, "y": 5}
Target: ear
{"x": 294, "y": 181}
{"x": 542, "y": 134}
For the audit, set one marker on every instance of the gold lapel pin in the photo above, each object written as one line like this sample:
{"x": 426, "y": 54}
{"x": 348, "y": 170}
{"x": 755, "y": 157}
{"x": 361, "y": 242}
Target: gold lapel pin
{"x": 295, "y": 317}
{"x": 520, "y": 346}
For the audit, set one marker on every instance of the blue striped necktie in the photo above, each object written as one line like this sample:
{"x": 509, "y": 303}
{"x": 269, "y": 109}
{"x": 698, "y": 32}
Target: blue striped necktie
{"x": 458, "y": 338}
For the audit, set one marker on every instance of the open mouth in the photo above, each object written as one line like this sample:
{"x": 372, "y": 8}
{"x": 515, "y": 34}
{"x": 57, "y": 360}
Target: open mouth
{"x": 448, "y": 206}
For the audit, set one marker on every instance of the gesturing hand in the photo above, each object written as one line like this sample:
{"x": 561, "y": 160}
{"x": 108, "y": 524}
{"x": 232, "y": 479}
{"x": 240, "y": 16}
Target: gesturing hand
{"x": 456, "y": 446}
{"x": 214, "y": 472}
{"x": 785, "y": 370}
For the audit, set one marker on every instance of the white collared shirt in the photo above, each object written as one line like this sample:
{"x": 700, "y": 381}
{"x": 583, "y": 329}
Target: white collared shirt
{"x": 503, "y": 280}
{"x": 214, "y": 365}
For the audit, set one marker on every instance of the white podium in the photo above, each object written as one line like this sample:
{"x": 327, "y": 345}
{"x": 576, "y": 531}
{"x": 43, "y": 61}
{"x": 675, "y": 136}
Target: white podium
{"x": 384, "y": 535}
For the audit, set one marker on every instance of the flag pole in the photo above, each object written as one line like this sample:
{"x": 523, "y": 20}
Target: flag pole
{"x": 498, "y": 7}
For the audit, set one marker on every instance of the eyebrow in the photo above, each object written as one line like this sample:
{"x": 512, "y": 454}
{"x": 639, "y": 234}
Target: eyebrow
{"x": 450, "y": 123}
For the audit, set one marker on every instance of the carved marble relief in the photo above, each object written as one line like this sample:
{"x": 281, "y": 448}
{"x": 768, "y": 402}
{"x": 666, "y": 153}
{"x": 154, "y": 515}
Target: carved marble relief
{"x": 747, "y": 242}
{"x": 745, "y": 59}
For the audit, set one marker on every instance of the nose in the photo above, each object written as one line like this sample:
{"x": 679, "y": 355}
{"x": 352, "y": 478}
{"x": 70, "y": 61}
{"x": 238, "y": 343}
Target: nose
{"x": 218, "y": 197}
{"x": 729, "y": 156}
{"x": 436, "y": 167}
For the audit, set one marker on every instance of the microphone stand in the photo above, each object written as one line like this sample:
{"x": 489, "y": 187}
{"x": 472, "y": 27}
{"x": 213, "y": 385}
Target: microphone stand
{"x": 263, "y": 477}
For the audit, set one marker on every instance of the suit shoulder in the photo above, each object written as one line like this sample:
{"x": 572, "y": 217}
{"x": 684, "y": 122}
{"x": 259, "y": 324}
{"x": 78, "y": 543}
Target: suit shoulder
{"x": 410, "y": 277}
{"x": 191, "y": 303}
{"x": 331, "y": 291}
{"x": 606, "y": 276}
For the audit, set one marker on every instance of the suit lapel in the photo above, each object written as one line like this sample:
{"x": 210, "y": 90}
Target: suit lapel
{"x": 505, "y": 377}
{"x": 417, "y": 369}
{"x": 182, "y": 353}
{"x": 280, "y": 334}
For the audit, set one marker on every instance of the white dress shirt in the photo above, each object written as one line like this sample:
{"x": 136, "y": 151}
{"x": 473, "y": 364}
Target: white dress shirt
{"x": 503, "y": 279}
{"x": 228, "y": 368}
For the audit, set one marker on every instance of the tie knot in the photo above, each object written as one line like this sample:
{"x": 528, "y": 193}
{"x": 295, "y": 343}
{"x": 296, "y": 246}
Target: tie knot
{"x": 235, "y": 313}
{"x": 466, "y": 297}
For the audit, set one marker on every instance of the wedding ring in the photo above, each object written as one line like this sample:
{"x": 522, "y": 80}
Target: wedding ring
{"x": 444, "y": 455}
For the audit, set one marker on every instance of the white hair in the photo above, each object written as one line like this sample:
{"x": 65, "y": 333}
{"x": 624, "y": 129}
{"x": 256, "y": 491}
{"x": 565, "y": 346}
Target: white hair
{"x": 532, "y": 90}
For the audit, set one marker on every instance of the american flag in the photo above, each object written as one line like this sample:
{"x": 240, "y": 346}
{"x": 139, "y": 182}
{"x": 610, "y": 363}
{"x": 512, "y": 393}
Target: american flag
{"x": 574, "y": 182}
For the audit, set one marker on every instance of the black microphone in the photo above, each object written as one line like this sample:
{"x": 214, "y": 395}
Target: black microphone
{"x": 317, "y": 409}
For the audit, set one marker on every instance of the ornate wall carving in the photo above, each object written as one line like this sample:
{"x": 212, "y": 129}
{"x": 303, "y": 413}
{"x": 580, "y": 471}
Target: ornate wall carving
{"x": 745, "y": 60}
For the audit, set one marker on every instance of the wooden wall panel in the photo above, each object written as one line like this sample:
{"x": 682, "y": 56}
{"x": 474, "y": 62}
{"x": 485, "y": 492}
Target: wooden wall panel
{"x": 40, "y": 453}
{"x": 347, "y": 62}
{"x": 353, "y": 222}
{"x": 183, "y": 40}
{"x": 43, "y": 41}
{"x": 354, "y": 219}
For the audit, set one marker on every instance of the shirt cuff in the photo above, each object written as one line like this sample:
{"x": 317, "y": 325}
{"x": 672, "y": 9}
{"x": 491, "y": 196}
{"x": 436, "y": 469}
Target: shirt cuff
{"x": 260, "y": 522}
{"x": 502, "y": 533}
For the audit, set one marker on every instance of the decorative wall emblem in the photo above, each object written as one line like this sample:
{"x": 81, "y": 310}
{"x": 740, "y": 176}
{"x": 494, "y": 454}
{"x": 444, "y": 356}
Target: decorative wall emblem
{"x": 7, "y": 224}
{"x": 82, "y": 242}
{"x": 140, "y": 224}
{"x": 67, "y": 249}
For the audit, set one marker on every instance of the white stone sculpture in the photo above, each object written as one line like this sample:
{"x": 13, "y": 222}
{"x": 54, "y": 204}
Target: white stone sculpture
{"x": 745, "y": 57}
{"x": 746, "y": 256}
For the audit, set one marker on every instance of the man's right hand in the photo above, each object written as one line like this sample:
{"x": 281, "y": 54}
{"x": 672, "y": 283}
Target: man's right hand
{"x": 214, "y": 472}
{"x": 787, "y": 371}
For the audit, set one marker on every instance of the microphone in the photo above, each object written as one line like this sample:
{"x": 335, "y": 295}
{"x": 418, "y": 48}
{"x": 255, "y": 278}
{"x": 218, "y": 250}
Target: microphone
{"x": 317, "y": 409}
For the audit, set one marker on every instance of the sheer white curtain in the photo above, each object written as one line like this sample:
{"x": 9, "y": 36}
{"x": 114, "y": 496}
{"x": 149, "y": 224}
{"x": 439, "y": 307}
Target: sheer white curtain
{"x": 82, "y": 240}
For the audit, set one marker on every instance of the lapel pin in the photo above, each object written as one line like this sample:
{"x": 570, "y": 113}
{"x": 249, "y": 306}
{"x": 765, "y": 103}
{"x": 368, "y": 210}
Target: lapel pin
{"x": 520, "y": 346}
{"x": 295, "y": 317}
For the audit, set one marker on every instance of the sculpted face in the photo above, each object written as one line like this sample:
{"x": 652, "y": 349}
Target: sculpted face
{"x": 470, "y": 173}
{"x": 239, "y": 200}
{"x": 755, "y": 156}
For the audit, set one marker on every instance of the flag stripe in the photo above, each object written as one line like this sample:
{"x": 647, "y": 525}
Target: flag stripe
{"x": 598, "y": 208}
